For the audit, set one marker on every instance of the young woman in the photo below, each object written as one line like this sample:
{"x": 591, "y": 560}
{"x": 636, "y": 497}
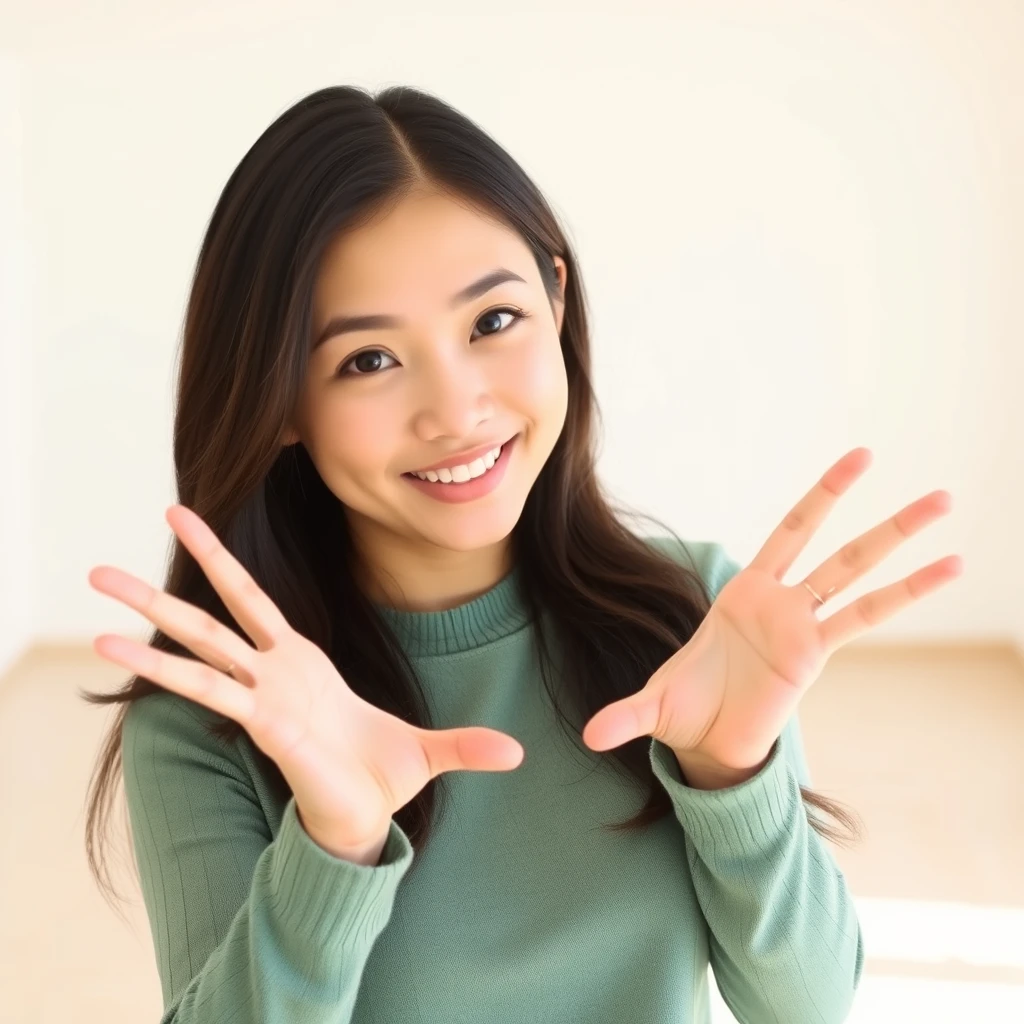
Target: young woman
{"x": 419, "y": 744}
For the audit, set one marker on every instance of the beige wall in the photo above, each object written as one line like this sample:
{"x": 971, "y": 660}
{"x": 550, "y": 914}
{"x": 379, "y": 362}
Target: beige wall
{"x": 18, "y": 566}
{"x": 824, "y": 250}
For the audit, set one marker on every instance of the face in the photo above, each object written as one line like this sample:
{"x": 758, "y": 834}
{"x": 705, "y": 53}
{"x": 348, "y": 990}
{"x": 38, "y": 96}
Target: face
{"x": 442, "y": 376}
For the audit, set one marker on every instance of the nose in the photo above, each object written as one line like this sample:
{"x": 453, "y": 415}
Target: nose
{"x": 456, "y": 397}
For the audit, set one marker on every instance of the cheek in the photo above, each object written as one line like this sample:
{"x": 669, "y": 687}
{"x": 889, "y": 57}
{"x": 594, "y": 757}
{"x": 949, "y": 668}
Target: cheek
{"x": 355, "y": 438}
{"x": 536, "y": 380}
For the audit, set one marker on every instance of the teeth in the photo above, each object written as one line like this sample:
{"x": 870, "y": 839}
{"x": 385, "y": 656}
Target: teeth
{"x": 460, "y": 474}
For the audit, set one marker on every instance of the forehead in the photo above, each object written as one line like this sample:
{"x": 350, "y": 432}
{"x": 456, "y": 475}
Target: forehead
{"x": 419, "y": 252}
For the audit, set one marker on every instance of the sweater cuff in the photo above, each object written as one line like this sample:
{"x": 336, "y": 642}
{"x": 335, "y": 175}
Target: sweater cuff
{"x": 335, "y": 901}
{"x": 756, "y": 811}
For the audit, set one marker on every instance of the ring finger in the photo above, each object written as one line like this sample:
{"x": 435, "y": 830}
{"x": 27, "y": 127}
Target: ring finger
{"x": 854, "y": 559}
{"x": 199, "y": 631}
{"x": 192, "y": 679}
{"x": 868, "y": 611}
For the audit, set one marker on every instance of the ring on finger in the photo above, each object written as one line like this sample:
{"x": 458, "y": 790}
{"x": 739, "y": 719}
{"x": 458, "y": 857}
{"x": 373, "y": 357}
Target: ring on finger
{"x": 245, "y": 679}
{"x": 817, "y": 597}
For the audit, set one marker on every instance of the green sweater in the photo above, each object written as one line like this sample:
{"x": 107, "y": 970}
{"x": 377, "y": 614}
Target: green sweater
{"x": 522, "y": 910}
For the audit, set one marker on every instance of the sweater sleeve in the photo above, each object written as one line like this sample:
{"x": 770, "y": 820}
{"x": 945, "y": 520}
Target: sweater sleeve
{"x": 246, "y": 928}
{"x": 785, "y": 943}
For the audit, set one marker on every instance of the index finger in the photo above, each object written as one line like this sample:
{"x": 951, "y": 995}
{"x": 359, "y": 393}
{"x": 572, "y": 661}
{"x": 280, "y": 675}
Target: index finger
{"x": 252, "y": 608}
{"x": 792, "y": 535}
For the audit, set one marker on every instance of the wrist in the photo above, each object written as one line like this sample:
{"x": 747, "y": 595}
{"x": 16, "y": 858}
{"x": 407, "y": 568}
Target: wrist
{"x": 367, "y": 854}
{"x": 700, "y": 773}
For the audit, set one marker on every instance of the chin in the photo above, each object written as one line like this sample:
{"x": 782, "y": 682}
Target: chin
{"x": 459, "y": 528}
{"x": 470, "y": 536}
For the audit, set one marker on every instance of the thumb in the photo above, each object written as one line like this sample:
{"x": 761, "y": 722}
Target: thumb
{"x": 475, "y": 749}
{"x": 621, "y": 722}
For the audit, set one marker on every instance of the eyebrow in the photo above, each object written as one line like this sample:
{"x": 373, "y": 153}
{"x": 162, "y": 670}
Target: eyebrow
{"x": 378, "y": 321}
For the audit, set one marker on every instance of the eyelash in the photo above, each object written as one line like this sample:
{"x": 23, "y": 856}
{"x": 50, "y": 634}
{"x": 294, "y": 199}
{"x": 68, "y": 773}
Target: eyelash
{"x": 517, "y": 315}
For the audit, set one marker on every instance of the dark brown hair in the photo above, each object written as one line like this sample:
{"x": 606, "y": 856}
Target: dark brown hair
{"x": 330, "y": 162}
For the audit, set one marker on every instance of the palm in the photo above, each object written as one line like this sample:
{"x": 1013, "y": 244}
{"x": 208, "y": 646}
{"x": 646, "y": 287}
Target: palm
{"x": 742, "y": 674}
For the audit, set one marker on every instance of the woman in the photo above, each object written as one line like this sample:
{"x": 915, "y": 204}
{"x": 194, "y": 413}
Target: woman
{"x": 382, "y": 290}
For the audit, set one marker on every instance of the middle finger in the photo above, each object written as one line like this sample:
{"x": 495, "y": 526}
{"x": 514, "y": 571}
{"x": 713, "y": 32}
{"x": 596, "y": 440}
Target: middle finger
{"x": 854, "y": 559}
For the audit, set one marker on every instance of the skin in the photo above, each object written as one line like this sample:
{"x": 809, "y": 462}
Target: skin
{"x": 447, "y": 380}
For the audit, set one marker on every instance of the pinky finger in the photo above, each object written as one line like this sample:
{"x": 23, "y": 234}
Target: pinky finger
{"x": 188, "y": 677}
{"x": 868, "y": 611}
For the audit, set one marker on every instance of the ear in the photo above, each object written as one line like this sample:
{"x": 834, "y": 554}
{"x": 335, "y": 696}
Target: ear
{"x": 289, "y": 438}
{"x": 563, "y": 276}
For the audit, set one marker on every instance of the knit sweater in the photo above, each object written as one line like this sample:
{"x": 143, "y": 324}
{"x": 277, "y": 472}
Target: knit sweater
{"x": 522, "y": 909}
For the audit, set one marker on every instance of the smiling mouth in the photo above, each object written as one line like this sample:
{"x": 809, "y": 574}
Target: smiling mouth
{"x": 499, "y": 448}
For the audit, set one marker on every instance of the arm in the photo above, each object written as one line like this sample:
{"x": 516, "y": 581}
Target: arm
{"x": 245, "y": 928}
{"x": 785, "y": 943}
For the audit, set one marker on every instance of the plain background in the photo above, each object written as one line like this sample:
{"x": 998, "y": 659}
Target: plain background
{"x": 797, "y": 225}
{"x": 800, "y": 226}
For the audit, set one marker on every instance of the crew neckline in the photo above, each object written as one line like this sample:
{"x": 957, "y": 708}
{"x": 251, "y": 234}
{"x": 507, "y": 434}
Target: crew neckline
{"x": 493, "y": 615}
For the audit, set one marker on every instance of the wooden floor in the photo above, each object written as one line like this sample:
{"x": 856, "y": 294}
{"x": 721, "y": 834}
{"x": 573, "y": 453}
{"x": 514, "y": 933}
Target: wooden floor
{"x": 927, "y": 745}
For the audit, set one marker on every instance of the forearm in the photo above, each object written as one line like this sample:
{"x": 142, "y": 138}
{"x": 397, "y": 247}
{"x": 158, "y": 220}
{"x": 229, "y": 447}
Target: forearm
{"x": 785, "y": 942}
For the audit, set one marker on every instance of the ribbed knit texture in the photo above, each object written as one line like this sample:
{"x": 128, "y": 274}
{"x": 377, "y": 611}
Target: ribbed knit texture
{"x": 522, "y": 910}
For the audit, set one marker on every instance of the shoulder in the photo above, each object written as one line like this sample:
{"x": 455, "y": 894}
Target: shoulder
{"x": 708, "y": 558}
{"x": 164, "y": 726}
{"x": 165, "y": 708}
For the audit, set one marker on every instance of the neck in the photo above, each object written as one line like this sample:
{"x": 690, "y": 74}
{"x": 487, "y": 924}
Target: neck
{"x": 412, "y": 579}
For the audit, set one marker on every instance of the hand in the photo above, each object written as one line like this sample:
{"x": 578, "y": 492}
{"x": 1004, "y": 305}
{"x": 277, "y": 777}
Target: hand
{"x": 349, "y": 764}
{"x": 723, "y": 699}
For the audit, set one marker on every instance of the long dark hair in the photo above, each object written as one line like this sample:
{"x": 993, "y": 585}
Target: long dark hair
{"x": 620, "y": 608}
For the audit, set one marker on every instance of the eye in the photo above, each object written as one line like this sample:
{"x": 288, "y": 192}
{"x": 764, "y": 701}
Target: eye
{"x": 371, "y": 356}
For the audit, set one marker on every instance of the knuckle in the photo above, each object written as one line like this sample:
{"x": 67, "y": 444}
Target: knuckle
{"x": 161, "y": 662}
{"x": 869, "y": 609}
{"x": 851, "y": 554}
{"x": 209, "y": 627}
{"x": 211, "y": 677}
{"x": 151, "y": 604}
{"x": 795, "y": 518}
{"x": 903, "y": 524}
{"x": 206, "y": 676}
{"x": 432, "y": 767}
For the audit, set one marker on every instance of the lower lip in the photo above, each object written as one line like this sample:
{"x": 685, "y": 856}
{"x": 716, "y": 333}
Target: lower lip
{"x": 471, "y": 489}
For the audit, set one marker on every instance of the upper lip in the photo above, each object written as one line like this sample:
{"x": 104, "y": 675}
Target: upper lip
{"x": 464, "y": 458}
